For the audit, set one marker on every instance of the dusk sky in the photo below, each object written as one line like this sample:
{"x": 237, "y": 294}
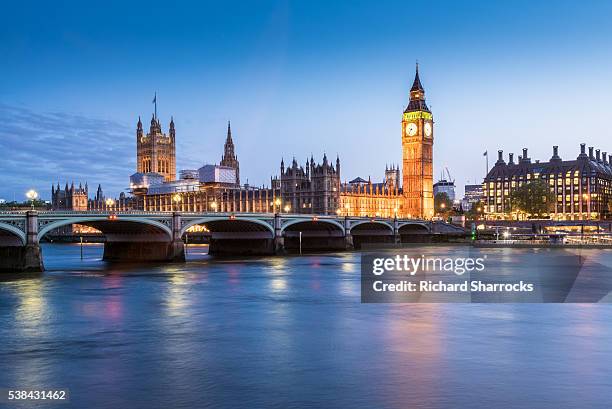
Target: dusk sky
{"x": 295, "y": 78}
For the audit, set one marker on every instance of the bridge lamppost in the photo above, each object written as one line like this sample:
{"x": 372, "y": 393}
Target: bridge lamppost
{"x": 214, "y": 206}
{"x": 287, "y": 208}
{"x": 177, "y": 198}
{"x": 347, "y": 207}
{"x": 277, "y": 205}
{"x": 109, "y": 203}
{"x": 32, "y": 195}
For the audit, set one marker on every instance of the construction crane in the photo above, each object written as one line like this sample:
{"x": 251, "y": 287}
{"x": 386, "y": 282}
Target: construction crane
{"x": 450, "y": 179}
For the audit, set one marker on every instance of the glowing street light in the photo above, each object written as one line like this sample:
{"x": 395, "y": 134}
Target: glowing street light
{"x": 214, "y": 206}
{"x": 287, "y": 208}
{"x": 277, "y": 205}
{"x": 32, "y": 195}
{"x": 109, "y": 202}
{"x": 177, "y": 198}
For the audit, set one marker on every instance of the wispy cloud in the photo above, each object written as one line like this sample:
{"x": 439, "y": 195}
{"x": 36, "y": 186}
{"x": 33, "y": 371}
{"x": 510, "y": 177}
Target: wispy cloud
{"x": 38, "y": 149}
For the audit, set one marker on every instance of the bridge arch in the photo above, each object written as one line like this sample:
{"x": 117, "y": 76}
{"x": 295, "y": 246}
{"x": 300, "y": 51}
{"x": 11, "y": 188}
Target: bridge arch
{"x": 312, "y": 222}
{"x": 121, "y": 224}
{"x": 12, "y": 235}
{"x": 414, "y": 228}
{"x": 372, "y": 223}
{"x": 313, "y": 234}
{"x": 223, "y": 221}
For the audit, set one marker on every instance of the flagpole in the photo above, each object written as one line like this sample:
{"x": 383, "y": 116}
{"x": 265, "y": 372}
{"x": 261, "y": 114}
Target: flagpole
{"x": 155, "y": 102}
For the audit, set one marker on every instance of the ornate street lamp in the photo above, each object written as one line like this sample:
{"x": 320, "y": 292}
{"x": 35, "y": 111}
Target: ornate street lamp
{"x": 177, "y": 198}
{"x": 32, "y": 195}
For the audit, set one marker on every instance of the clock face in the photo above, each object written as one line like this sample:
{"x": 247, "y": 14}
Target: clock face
{"x": 427, "y": 129}
{"x": 411, "y": 129}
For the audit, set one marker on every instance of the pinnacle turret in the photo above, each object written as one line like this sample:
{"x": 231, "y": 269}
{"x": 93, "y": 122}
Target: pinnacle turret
{"x": 417, "y": 95}
{"x": 416, "y": 85}
{"x": 229, "y": 157}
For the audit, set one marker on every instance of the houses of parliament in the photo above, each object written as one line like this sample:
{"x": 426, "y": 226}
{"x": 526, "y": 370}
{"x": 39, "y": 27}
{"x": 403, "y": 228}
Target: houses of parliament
{"x": 314, "y": 188}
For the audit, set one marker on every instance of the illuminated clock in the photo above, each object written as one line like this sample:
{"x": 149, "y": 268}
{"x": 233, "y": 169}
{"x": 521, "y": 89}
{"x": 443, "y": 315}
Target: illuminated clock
{"x": 411, "y": 129}
{"x": 427, "y": 129}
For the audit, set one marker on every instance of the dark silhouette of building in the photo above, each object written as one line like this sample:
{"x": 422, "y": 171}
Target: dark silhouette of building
{"x": 313, "y": 188}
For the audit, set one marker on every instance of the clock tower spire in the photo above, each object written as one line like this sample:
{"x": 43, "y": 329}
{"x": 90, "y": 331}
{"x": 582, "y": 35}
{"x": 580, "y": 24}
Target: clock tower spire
{"x": 417, "y": 154}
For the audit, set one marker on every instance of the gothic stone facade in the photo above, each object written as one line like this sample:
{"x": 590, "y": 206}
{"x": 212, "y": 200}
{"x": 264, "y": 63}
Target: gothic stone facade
{"x": 314, "y": 188}
{"x": 70, "y": 198}
{"x": 229, "y": 158}
{"x": 366, "y": 199}
{"x": 156, "y": 151}
{"x": 417, "y": 152}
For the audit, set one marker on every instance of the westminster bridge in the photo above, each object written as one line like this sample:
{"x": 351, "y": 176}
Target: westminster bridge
{"x": 158, "y": 236}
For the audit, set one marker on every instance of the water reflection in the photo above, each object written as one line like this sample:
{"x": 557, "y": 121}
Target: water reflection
{"x": 177, "y": 294}
{"x": 32, "y": 307}
{"x": 289, "y": 332}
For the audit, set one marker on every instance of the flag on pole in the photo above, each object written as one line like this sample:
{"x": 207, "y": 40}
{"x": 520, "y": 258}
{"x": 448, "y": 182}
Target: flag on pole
{"x": 485, "y": 153}
{"x": 154, "y": 99}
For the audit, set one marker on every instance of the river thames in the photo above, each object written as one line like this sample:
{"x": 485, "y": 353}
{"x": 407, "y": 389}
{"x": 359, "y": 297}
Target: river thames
{"x": 287, "y": 332}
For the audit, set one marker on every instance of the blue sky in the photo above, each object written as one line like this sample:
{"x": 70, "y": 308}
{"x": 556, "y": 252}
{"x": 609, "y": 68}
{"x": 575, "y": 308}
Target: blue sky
{"x": 295, "y": 78}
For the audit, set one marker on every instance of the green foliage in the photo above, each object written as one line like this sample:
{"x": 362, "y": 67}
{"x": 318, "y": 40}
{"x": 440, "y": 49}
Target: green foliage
{"x": 23, "y": 205}
{"x": 476, "y": 212}
{"x": 534, "y": 198}
{"x": 442, "y": 203}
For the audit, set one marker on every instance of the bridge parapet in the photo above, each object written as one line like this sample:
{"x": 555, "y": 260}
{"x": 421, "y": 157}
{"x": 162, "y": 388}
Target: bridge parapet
{"x": 145, "y": 235}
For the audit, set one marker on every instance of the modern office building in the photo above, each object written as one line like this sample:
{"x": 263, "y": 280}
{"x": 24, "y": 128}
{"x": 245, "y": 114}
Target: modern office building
{"x": 473, "y": 194}
{"x": 445, "y": 186}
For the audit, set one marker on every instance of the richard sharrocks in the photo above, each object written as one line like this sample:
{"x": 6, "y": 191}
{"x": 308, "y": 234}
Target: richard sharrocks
{"x": 474, "y": 286}
{"x": 440, "y": 286}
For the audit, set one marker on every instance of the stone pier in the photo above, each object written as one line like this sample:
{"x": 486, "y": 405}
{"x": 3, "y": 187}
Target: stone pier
{"x": 348, "y": 237}
{"x": 16, "y": 257}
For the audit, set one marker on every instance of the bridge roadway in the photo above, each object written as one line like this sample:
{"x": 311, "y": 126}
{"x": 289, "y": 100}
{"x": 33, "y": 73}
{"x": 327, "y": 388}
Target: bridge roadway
{"x": 157, "y": 236}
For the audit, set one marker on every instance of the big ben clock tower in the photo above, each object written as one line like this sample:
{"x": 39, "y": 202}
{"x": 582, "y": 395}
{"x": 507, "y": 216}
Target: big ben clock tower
{"x": 417, "y": 153}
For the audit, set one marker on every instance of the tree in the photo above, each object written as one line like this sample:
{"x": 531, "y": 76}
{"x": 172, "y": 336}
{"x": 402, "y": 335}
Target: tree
{"x": 533, "y": 198}
{"x": 476, "y": 211}
{"x": 442, "y": 203}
